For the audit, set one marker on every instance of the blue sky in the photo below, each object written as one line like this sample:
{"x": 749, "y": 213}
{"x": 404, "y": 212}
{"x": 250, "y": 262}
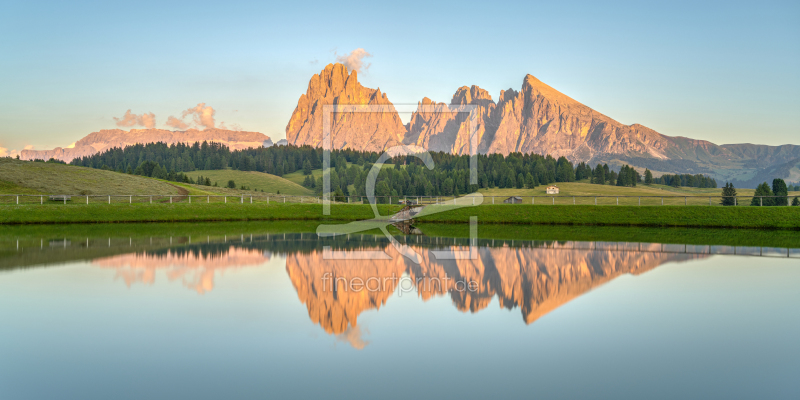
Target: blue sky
{"x": 721, "y": 71}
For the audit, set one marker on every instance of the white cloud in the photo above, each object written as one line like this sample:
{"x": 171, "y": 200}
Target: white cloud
{"x": 147, "y": 120}
{"x": 355, "y": 60}
{"x": 202, "y": 115}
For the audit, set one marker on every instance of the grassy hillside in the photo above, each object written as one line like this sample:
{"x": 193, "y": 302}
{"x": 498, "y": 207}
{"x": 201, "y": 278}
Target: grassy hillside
{"x": 568, "y": 189}
{"x": 254, "y": 181}
{"x": 27, "y": 177}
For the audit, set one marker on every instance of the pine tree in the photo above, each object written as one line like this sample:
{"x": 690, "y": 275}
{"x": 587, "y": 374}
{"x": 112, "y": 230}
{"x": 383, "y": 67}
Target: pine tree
{"x": 648, "y": 177}
{"x": 307, "y": 168}
{"x": 762, "y": 196}
{"x": 779, "y": 189}
{"x": 728, "y": 195}
{"x": 231, "y": 184}
{"x": 796, "y": 201}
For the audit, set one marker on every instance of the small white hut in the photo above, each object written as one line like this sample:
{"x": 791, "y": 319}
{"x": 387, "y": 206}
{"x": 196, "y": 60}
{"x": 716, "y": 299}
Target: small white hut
{"x": 552, "y": 189}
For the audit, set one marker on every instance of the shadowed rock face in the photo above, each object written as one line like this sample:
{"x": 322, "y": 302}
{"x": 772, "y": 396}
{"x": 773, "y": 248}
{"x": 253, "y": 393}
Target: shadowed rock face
{"x": 535, "y": 280}
{"x": 109, "y": 138}
{"x": 373, "y": 131}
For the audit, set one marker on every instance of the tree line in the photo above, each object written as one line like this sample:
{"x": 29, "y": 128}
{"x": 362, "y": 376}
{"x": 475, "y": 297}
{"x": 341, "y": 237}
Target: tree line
{"x": 350, "y": 168}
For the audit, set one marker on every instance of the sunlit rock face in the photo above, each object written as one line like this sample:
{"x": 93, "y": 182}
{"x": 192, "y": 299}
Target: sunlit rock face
{"x": 367, "y": 131}
{"x": 196, "y": 270}
{"x": 97, "y": 142}
{"x": 535, "y": 280}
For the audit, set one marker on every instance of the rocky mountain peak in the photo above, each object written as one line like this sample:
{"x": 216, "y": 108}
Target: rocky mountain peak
{"x": 367, "y": 131}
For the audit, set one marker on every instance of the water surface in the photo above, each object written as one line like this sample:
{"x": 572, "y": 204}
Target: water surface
{"x": 260, "y": 314}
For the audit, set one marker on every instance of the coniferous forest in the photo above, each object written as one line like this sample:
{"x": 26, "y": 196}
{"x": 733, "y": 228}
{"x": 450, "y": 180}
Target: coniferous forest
{"x": 350, "y": 168}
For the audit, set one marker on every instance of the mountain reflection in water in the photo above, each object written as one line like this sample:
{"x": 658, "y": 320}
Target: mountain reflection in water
{"x": 536, "y": 277}
{"x": 194, "y": 267}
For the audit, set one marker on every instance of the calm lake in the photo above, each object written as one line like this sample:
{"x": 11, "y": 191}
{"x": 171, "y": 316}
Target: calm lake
{"x": 267, "y": 311}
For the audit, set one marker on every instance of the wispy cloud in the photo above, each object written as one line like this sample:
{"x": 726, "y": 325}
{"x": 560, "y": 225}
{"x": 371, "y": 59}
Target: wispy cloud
{"x": 355, "y": 60}
{"x": 176, "y": 123}
{"x": 202, "y": 115}
{"x": 147, "y": 120}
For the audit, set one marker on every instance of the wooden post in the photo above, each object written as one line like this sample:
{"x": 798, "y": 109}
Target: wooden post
{"x": 109, "y": 199}
{"x": 130, "y": 200}
{"x": 17, "y": 200}
{"x": 760, "y": 199}
{"x": 617, "y": 200}
{"x": 170, "y": 199}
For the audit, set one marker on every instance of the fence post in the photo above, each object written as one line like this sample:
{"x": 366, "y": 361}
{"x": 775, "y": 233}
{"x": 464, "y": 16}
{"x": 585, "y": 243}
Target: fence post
{"x": 242, "y": 202}
{"x": 760, "y": 199}
{"x": 65, "y": 199}
{"x": 284, "y": 199}
{"x": 226, "y": 199}
{"x": 151, "y": 199}
{"x": 109, "y": 199}
{"x": 190, "y": 199}
{"x": 684, "y": 200}
{"x": 130, "y": 200}
{"x": 662, "y": 201}
{"x": 87, "y": 199}
{"x": 492, "y": 199}
{"x": 554, "y": 200}
{"x": 41, "y": 199}
{"x": 617, "y": 200}
{"x": 170, "y": 199}
{"x": 17, "y": 200}
{"x": 251, "y": 199}
{"x": 640, "y": 201}
{"x": 267, "y": 200}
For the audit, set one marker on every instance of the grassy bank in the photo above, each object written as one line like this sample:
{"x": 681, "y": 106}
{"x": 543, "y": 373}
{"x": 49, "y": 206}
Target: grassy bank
{"x": 182, "y": 212}
{"x": 520, "y": 214}
{"x": 657, "y": 216}
{"x": 692, "y": 236}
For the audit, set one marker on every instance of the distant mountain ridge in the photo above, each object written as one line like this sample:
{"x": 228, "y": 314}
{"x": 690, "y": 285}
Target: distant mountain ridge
{"x": 536, "y": 119}
{"x": 106, "y": 139}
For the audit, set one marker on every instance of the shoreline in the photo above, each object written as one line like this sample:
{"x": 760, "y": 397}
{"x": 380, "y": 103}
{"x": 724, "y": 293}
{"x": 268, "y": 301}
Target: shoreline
{"x": 783, "y": 218}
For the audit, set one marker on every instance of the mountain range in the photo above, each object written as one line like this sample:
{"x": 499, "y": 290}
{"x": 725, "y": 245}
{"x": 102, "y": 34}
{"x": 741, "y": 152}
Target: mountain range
{"x": 535, "y": 119}
{"x": 109, "y": 138}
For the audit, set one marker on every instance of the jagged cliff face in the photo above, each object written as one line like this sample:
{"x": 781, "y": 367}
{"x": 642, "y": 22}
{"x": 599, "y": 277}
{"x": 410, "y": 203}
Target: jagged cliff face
{"x": 366, "y": 131}
{"x": 109, "y": 138}
{"x": 535, "y": 280}
{"x": 536, "y": 119}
